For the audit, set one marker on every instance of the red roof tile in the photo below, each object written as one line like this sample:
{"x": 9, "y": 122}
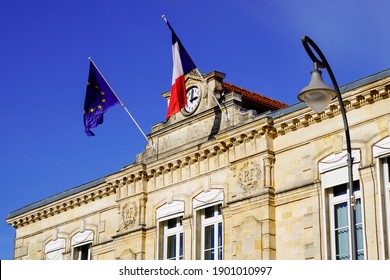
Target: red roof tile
{"x": 254, "y": 97}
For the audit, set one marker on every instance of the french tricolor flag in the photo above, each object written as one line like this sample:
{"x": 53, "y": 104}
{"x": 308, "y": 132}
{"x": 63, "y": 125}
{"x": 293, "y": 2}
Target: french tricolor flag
{"x": 182, "y": 65}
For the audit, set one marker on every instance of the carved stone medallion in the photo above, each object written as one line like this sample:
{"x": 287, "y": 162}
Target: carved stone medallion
{"x": 129, "y": 215}
{"x": 249, "y": 177}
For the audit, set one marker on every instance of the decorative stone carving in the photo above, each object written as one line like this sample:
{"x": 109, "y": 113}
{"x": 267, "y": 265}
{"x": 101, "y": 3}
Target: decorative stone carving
{"x": 129, "y": 214}
{"x": 269, "y": 162}
{"x": 250, "y": 177}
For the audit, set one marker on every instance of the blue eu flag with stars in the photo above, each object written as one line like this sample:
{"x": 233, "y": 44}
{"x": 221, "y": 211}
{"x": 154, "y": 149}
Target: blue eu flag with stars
{"x": 98, "y": 99}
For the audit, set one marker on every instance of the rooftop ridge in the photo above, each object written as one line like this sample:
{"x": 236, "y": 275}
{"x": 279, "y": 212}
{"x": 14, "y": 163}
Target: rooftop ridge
{"x": 259, "y": 98}
{"x": 365, "y": 80}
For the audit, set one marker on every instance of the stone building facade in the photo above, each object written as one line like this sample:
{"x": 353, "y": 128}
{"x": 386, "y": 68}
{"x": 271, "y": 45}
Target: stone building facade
{"x": 258, "y": 180}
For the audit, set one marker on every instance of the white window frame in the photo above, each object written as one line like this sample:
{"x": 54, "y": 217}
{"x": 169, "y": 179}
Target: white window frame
{"x": 176, "y": 232}
{"x": 381, "y": 151}
{"x": 79, "y": 240}
{"x": 167, "y": 212}
{"x": 216, "y": 222}
{"x": 79, "y": 251}
{"x": 334, "y": 172}
{"x": 210, "y": 198}
{"x": 386, "y": 188}
{"x": 333, "y": 201}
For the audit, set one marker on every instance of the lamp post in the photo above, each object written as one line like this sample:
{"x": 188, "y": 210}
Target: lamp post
{"x": 317, "y": 96}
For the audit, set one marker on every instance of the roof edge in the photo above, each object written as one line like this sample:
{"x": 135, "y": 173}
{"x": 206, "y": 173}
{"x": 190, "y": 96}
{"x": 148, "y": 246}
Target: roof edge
{"x": 345, "y": 88}
{"x": 55, "y": 198}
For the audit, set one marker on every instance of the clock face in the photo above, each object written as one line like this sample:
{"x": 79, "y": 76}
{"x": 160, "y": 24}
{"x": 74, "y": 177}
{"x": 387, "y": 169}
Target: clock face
{"x": 193, "y": 99}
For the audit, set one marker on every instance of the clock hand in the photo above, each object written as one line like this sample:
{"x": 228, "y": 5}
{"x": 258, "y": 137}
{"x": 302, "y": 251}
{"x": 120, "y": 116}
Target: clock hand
{"x": 193, "y": 99}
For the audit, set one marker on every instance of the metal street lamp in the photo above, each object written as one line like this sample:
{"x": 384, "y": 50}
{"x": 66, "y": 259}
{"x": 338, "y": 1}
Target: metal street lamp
{"x": 317, "y": 96}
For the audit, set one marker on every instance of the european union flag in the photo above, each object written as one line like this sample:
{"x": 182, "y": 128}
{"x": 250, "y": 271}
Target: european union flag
{"x": 98, "y": 99}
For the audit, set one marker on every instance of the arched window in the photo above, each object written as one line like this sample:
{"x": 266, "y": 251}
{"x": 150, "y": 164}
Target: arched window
{"x": 381, "y": 152}
{"x": 334, "y": 181}
{"x": 170, "y": 230}
{"x": 208, "y": 225}
{"x": 81, "y": 245}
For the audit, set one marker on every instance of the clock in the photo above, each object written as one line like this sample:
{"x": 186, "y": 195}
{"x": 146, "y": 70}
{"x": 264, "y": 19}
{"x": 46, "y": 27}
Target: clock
{"x": 193, "y": 100}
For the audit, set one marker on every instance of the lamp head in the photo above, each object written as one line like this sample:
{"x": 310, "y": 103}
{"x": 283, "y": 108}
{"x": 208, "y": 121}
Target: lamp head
{"x": 317, "y": 94}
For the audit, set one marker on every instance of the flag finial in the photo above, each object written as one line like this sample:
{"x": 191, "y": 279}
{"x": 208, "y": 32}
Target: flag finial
{"x": 163, "y": 16}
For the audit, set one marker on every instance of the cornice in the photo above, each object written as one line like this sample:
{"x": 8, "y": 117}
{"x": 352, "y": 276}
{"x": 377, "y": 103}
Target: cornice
{"x": 352, "y": 100}
{"x": 62, "y": 205}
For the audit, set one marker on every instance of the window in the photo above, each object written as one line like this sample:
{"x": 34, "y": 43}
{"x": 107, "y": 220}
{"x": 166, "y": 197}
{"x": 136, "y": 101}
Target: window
{"x": 340, "y": 222}
{"x": 81, "y": 245}
{"x": 173, "y": 239}
{"x": 211, "y": 236}
{"x": 208, "y": 225}
{"x": 82, "y": 252}
{"x": 386, "y": 188}
{"x": 170, "y": 231}
{"x": 381, "y": 151}
{"x": 335, "y": 195}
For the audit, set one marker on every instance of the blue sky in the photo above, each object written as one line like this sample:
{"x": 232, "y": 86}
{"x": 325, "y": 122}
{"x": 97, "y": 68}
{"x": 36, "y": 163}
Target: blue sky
{"x": 44, "y": 53}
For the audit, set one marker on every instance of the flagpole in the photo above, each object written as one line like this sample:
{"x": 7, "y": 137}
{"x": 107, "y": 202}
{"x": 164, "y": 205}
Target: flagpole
{"x": 206, "y": 85}
{"x": 123, "y": 106}
{"x": 212, "y": 94}
{"x": 163, "y": 16}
